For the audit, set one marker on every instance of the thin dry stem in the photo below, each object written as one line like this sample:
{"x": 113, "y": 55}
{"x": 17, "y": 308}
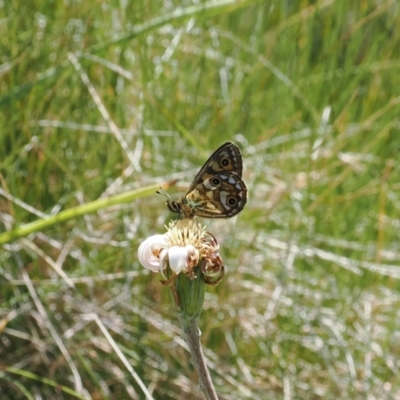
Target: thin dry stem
{"x": 192, "y": 335}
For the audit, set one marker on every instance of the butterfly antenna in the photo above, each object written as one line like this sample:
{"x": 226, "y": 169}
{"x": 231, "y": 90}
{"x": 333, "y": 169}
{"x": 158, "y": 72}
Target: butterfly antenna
{"x": 163, "y": 193}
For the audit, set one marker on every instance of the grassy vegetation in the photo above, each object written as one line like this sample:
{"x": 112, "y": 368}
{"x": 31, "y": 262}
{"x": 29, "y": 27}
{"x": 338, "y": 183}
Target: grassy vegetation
{"x": 103, "y": 98}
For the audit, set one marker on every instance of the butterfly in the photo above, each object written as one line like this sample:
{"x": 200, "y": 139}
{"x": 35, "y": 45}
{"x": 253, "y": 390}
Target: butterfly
{"x": 218, "y": 190}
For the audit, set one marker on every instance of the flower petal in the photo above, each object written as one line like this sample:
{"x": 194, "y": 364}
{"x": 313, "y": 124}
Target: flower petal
{"x": 178, "y": 257}
{"x": 146, "y": 252}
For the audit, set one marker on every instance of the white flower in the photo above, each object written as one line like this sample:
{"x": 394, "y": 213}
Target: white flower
{"x": 180, "y": 250}
{"x": 174, "y": 248}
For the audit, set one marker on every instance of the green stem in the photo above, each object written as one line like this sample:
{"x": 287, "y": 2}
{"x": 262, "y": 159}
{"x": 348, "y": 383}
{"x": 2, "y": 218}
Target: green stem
{"x": 72, "y": 213}
{"x": 192, "y": 334}
{"x": 189, "y": 298}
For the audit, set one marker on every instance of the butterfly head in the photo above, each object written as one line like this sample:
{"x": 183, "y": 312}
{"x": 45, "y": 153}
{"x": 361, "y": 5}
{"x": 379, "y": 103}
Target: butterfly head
{"x": 182, "y": 208}
{"x": 173, "y": 206}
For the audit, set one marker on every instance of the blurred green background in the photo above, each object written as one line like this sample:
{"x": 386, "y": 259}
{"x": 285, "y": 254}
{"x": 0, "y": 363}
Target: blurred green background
{"x": 99, "y": 98}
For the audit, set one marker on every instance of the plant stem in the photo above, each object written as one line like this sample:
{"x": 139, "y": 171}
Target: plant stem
{"x": 192, "y": 333}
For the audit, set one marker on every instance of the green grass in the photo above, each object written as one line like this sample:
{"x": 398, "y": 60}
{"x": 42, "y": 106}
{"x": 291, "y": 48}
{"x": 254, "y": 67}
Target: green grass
{"x": 103, "y": 98}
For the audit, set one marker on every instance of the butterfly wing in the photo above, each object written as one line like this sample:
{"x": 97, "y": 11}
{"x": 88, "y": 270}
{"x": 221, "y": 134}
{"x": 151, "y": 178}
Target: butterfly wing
{"x": 218, "y": 190}
{"x": 227, "y": 158}
{"x": 220, "y": 196}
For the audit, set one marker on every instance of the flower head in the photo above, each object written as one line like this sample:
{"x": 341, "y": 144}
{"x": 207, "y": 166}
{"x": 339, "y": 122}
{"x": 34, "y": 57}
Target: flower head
{"x": 181, "y": 249}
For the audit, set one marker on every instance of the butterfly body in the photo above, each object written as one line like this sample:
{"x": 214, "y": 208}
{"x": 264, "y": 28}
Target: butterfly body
{"x": 218, "y": 190}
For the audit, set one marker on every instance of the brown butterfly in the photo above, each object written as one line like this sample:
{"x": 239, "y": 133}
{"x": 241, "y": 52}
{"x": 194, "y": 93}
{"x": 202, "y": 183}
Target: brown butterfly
{"x": 218, "y": 190}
